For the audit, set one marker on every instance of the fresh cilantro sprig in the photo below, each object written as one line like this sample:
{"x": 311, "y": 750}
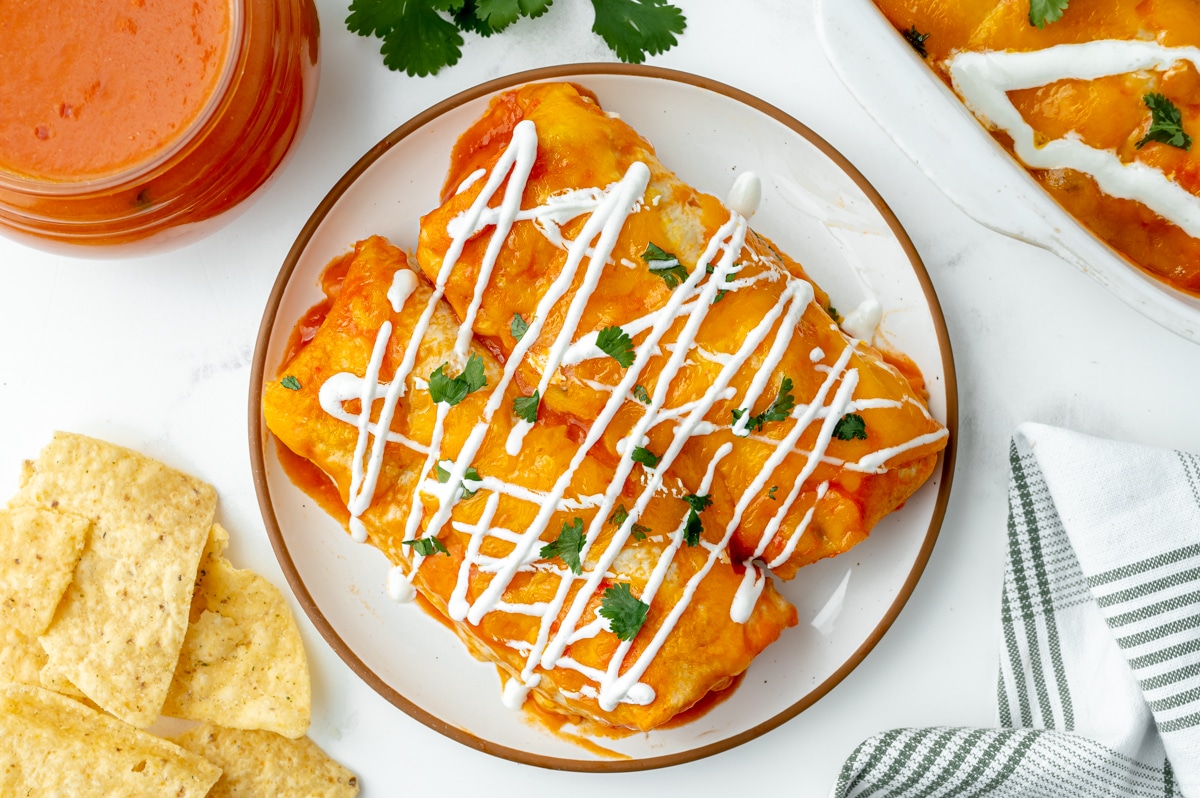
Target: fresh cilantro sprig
{"x": 426, "y": 546}
{"x": 453, "y": 390}
{"x": 421, "y": 37}
{"x": 917, "y": 40}
{"x": 1043, "y": 12}
{"x": 850, "y": 427}
{"x": 641, "y": 394}
{"x": 625, "y": 612}
{"x": 781, "y": 408}
{"x": 290, "y": 382}
{"x": 526, "y": 407}
{"x": 1166, "y": 123}
{"x": 665, "y": 265}
{"x": 567, "y": 545}
{"x": 616, "y": 343}
{"x": 694, "y": 527}
{"x": 470, "y": 475}
{"x": 518, "y": 327}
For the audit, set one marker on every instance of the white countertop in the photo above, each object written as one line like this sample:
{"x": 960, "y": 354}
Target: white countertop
{"x": 154, "y": 353}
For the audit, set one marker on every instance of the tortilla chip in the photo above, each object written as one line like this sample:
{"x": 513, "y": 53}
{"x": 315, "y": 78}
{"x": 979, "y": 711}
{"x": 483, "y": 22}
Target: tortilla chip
{"x": 243, "y": 664}
{"x": 119, "y": 628}
{"x": 257, "y": 763}
{"x": 50, "y": 745}
{"x": 21, "y": 657}
{"x": 38, "y": 552}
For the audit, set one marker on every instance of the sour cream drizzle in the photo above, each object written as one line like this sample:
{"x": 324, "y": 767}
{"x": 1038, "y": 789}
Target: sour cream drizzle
{"x": 984, "y": 78}
{"x": 608, "y": 210}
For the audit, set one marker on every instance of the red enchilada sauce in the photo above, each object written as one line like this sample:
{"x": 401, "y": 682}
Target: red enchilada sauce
{"x": 139, "y": 122}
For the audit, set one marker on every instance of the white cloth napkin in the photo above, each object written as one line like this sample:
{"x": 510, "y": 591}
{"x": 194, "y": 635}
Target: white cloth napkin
{"x": 1099, "y": 685}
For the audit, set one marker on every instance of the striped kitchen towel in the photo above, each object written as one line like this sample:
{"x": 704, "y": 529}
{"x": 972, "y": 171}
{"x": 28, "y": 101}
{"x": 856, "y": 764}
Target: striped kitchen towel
{"x": 1099, "y": 685}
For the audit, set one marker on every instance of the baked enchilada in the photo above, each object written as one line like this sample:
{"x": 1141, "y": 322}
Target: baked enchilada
{"x": 600, "y": 413}
{"x": 1099, "y": 104}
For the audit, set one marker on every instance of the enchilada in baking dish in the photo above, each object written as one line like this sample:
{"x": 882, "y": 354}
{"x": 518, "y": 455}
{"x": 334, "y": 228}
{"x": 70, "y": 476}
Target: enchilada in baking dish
{"x": 1100, "y": 105}
{"x": 601, "y": 411}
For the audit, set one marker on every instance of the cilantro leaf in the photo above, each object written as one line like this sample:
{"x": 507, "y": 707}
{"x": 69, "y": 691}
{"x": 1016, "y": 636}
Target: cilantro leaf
{"x": 421, "y": 37}
{"x": 1043, "y": 12}
{"x": 665, "y": 265}
{"x": 426, "y": 546}
{"x": 624, "y": 612}
{"x": 567, "y": 545}
{"x": 771, "y": 493}
{"x": 614, "y": 342}
{"x": 1166, "y": 123}
{"x": 917, "y": 40}
{"x": 416, "y": 38}
{"x": 634, "y": 29}
{"x": 849, "y": 427}
{"x": 443, "y": 476}
{"x": 290, "y": 382}
{"x": 453, "y": 390}
{"x": 695, "y": 527}
{"x": 780, "y": 409}
{"x": 621, "y": 515}
{"x": 526, "y": 407}
{"x": 641, "y": 394}
{"x": 519, "y": 327}
{"x": 644, "y": 456}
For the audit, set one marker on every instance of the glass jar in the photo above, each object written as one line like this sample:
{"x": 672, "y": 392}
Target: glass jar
{"x": 157, "y": 149}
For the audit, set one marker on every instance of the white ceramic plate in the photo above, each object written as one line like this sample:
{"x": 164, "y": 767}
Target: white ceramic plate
{"x": 820, "y": 210}
{"x": 938, "y": 133}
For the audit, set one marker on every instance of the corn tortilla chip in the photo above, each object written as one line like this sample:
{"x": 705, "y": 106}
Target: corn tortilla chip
{"x": 38, "y": 551}
{"x": 53, "y": 746}
{"x": 21, "y": 657}
{"x": 121, "y": 623}
{"x": 242, "y": 664}
{"x": 257, "y": 763}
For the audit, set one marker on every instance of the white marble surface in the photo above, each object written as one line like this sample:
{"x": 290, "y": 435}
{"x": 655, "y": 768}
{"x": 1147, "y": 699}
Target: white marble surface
{"x": 155, "y": 353}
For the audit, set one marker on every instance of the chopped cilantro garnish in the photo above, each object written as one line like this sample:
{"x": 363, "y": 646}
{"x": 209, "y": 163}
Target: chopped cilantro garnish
{"x": 771, "y": 493}
{"x": 290, "y": 382}
{"x": 518, "y": 327}
{"x": 1043, "y": 12}
{"x": 644, "y": 456}
{"x": 567, "y": 545}
{"x": 1166, "y": 123}
{"x": 624, "y": 612}
{"x": 833, "y": 314}
{"x": 526, "y": 407}
{"x": 443, "y": 476}
{"x": 621, "y": 515}
{"x": 665, "y": 265}
{"x": 694, "y": 527}
{"x": 781, "y": 408}
{"x": 641, "y": 394}
{"x": 849, "y": 427}
{"x": 426, "y": 546}
{"x": 917, "y": 40}
{"x": 421, "y": 37}
{"x": 453, "y": 390}
{"x": 613, "y": 342}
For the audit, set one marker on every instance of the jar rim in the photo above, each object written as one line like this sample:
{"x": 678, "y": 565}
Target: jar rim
{"x": 233, "y": 55}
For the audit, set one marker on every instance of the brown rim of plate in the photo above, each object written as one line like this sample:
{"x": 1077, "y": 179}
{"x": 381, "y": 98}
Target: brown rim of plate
{"x": 258, "y": 432}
